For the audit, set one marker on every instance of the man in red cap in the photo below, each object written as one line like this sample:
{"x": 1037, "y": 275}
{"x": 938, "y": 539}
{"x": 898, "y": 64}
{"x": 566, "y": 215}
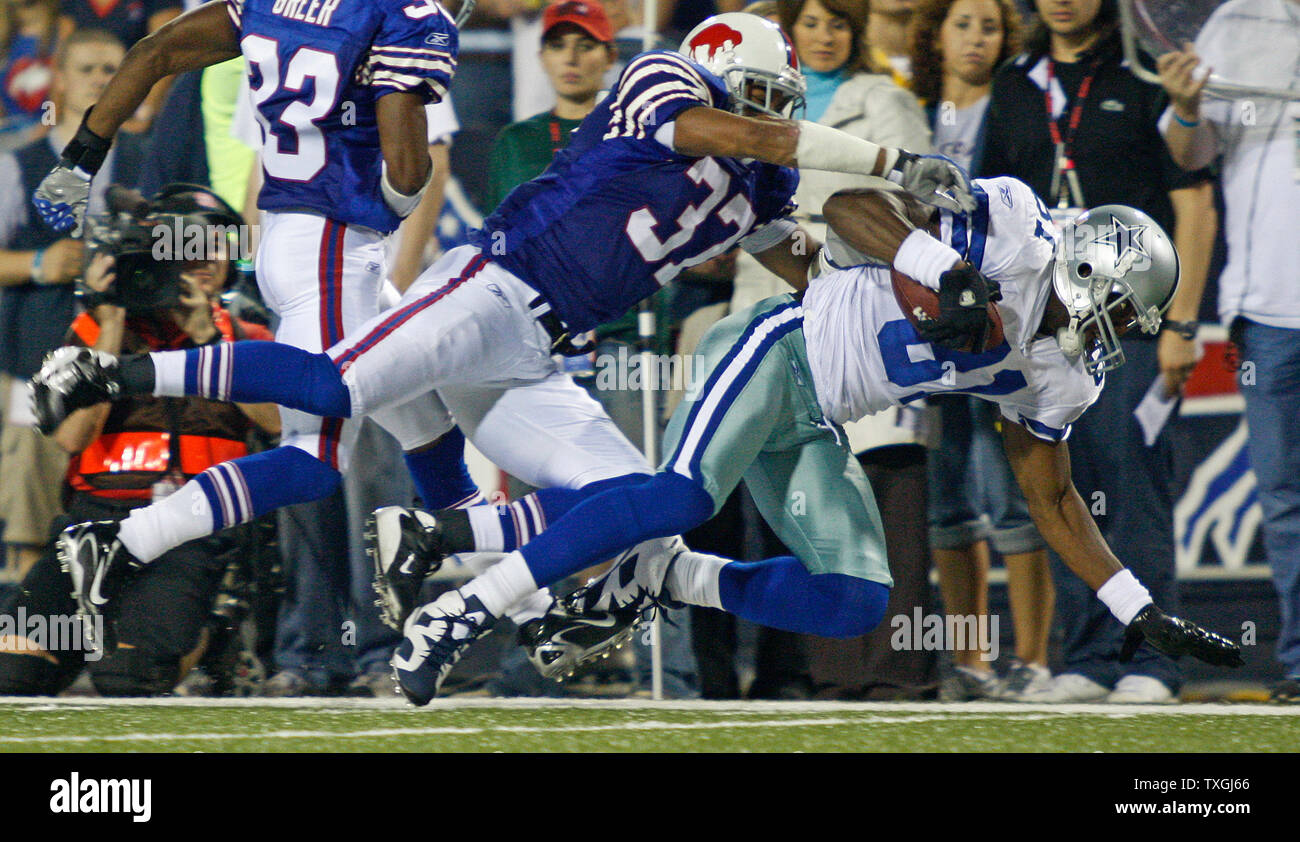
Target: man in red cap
{"x": 577, "y": 51}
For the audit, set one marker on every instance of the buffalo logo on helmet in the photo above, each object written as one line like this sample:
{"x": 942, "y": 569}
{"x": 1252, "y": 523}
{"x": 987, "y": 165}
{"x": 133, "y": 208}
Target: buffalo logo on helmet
{"x": 713, "y": 40}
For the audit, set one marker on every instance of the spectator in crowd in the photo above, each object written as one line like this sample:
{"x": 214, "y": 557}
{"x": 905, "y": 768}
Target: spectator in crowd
{"x": 37, "y": 267}
{"x": 956, "y": 45}
{"x": 577, "y": 51}
{"x": 1257, "y": 288}
{"x": 1069, "y": 119}
{"x": 127, "y": 453}
{"x": 129, "y": 21}
{"x": 886, "y": 38}
{"x": 28, "y": 38}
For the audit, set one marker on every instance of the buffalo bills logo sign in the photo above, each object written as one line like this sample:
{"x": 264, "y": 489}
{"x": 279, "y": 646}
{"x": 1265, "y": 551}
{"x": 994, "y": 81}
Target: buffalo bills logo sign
{"x": 715, "y": 39}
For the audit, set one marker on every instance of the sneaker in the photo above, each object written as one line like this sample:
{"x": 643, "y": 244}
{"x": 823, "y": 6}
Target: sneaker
{"x": 634, "y": 582}
{"x": 437, "y": 635}
{"x": 1141, "y": 690}
{"x": 1021, "y": 679}
{"x": 405, "y": 546}
{"x": 966, "y": 685}
{"x": 71, "y": 379}
{"x": 1065, "y": 688}
{"x": 287, "y": 684}
{"x": 99, "y": 565}
{"x": 372, "y": 685}
{"x": 567, "y": 637}
{"x": 1285, "y": 692}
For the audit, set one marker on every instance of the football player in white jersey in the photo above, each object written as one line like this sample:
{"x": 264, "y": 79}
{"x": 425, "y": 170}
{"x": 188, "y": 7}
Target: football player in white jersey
{"x": 786, "y": 373}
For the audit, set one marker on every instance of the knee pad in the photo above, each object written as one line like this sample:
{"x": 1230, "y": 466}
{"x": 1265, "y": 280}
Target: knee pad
{"x": 134, "y": 672}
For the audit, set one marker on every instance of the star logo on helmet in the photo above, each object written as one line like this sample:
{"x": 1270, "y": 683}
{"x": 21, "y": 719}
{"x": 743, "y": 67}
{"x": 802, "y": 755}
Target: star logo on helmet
{"x": 1123, "y": 238}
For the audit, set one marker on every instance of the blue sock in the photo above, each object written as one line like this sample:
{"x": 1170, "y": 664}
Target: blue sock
{"x": 781, "y": 593}
{"x": 611, "y": 519}
{"x": 526, "y": 518}
{"x": 244, "y": 488}
{"x": 441, "y": 477}
{"x": 270, "y": 372}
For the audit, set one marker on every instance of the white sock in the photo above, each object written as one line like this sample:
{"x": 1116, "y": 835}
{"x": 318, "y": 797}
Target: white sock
{"x": 153, "y": 530}
{"x": 486, "y": 524}
{"x": 168, "y": 374}
{"x": 504, "y": 584}
{"x": 693, "y": 579}
{"x": 529, "y": 608}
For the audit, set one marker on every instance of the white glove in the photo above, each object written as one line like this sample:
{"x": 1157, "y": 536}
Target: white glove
{"x": 934, "y": 180}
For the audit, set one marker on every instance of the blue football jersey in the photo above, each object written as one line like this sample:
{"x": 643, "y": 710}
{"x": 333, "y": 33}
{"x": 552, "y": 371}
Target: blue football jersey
{"x": 315, "y": 70}
{"x": 618, "y": 213}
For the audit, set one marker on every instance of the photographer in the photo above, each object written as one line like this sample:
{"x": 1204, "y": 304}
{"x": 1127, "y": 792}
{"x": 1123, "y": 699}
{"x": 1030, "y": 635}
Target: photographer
{"x": 131, "y": 452}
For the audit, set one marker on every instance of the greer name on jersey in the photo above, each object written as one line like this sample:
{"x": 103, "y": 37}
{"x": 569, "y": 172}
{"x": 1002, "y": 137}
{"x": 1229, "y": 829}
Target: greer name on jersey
{"x": 315, "y": 71}
{"x": 865, "y": 355}
{"x": 619, "y": 212}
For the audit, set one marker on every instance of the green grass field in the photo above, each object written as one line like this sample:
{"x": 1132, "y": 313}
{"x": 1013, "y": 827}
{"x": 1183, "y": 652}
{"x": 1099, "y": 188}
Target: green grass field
{"x": 480, "y": 725}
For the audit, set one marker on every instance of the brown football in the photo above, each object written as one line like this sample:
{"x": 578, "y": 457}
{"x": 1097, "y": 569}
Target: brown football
{"x": 919, "y": 302}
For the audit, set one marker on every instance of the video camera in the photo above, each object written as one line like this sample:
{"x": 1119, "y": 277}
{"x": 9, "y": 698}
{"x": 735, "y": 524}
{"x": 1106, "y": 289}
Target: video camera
{"x": 147, "y": 239}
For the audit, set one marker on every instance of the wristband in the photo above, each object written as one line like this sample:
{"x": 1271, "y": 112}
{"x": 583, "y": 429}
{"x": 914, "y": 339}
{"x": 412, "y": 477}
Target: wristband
{"x": 1186, "y": 330}
{"x": 36, "y": 266}
{"x": 1124, "y": 595}
{"x": 923, "y": 258}
{"x": 1187, "y": 124}
{"x": 87, "y": 150}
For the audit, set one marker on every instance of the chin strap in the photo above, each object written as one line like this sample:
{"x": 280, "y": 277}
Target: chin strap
{"x": 1069, "y": 340}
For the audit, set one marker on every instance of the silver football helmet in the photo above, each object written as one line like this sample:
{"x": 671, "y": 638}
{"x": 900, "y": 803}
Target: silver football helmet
{"x": 1114, "y": 268}
{"x": 753, "y": 58}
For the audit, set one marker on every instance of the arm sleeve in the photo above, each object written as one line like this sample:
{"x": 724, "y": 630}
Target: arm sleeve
{"x": 413, "y": 55}
{"x": 652, "y": 91}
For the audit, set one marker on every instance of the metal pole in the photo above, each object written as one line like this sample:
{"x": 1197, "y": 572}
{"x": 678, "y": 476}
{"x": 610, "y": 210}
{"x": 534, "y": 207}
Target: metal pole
{"x": 649, "y": 418}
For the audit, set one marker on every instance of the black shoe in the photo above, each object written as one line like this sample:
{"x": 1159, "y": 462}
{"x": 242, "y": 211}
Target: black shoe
{"x": 567, "y": 637}
{"x": 71, "y": 379}
{"x": 1286, "y": 692}
{"x": 405, "y": 546}
{"x": 99, "y": 566}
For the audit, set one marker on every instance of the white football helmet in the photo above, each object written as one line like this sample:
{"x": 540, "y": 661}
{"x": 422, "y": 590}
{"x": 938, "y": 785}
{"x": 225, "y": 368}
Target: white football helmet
{"x": 753, "y": 58}
{"x": 1112, "y": 262}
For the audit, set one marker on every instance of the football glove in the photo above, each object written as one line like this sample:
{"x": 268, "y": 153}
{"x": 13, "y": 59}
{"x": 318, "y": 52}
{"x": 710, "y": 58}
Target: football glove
{"x": 963, "y": 323}
{"x": 1176, "y": 637}
{"x": 63, "y": 194}
{"x": 934, "y": 180}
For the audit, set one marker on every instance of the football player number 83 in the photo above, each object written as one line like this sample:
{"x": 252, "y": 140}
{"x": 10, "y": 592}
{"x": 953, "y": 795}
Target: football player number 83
{"x": 306, "y": 150}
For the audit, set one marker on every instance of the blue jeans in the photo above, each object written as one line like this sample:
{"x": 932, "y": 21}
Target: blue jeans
{"x": 1127, "y": 485}
{"x": 973, "y": 494}
{"x": 1273, "y": 417}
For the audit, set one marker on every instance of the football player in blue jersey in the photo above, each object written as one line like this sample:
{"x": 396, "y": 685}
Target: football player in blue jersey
{"x": 690, "y": 154}
{"x": 339, "y": 89}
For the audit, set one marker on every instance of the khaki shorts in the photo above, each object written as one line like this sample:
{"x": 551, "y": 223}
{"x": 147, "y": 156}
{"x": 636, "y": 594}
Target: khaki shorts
{"x": 32, "y": 471}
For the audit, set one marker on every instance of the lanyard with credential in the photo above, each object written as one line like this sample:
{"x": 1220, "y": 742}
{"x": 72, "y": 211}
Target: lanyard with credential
{"x": 557, "y": 137}
{"x": 1064, "y": 164}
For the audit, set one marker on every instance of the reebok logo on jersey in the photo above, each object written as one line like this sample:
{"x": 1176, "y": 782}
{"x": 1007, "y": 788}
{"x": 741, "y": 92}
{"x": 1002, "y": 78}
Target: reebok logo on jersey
{"x": 1005, "y": 193}
{"x": 438, "y": 39}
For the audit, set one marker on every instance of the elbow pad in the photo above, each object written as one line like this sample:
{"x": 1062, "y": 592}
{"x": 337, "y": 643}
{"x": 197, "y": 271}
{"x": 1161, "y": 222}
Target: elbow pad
{"x": 400, "y": 203}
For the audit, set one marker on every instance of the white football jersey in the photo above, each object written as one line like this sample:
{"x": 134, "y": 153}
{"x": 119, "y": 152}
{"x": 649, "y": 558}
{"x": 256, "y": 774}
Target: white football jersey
{"x": 865, "y": 354}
